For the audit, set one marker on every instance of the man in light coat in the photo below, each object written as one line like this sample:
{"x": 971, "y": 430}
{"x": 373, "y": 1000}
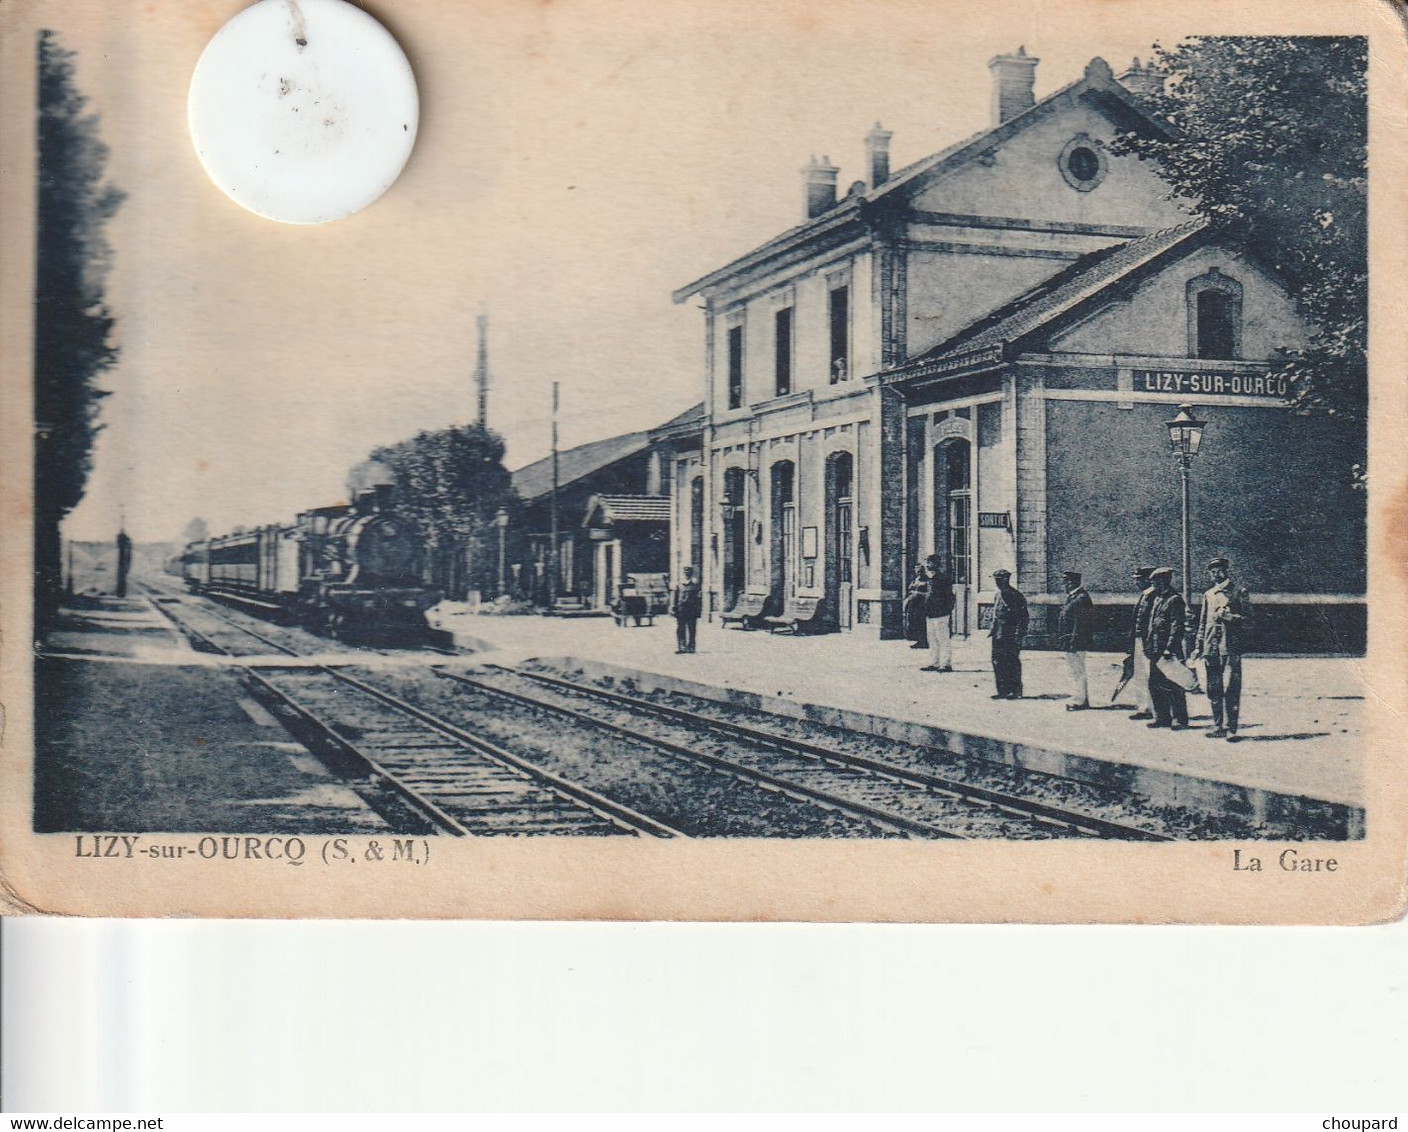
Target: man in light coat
{"x": 1219, "y": 643}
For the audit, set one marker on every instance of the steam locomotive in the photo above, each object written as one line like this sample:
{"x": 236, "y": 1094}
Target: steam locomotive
{"x": 350, "y": 572}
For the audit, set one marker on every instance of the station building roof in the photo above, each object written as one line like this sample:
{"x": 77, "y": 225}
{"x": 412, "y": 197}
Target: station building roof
{"x": 1067, "y": 289}
{"x": 533, "y": 481}
{"x": 612, "y": 509}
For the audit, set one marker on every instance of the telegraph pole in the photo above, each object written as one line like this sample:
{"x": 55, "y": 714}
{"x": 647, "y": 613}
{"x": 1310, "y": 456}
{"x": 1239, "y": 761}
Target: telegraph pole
{"x": 481, "y": 369}
{"x": 552, "y": 550}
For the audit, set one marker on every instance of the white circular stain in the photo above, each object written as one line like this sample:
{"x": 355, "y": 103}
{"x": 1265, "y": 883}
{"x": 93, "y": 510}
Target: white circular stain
{"x": 303, "y": 111}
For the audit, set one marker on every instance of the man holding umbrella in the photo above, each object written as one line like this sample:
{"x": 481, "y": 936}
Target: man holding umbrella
{"x": 1138, "y": 671}
{"x": 1168, "y": 615}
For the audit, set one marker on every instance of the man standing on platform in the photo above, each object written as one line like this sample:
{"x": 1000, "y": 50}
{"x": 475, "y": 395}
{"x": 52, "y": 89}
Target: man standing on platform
{"x": 1168, "y": 617}
{"x": 686, "y": 604}
{"x": 1077, "y": 637}
{"x": 938, "y": 606}
{"x": 1139, "y": 682}
{"x": 1009, "y": 626}
{"x": 1220, "y": 642}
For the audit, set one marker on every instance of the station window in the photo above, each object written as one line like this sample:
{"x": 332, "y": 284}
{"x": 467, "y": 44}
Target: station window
{"x": 840, "y": 317}
{"x": 1083, "y": 163}
{"x": 782, "y": 323}
{"x": 1214, "y": 324}
{"x": 735, "y": 367}
{"x": 1214, "y": 316}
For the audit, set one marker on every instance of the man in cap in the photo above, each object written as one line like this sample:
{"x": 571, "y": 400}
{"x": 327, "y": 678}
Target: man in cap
{"x": 1168, "y": 616}
{"x": 1009, "y": 626}
{"x": 1219, "y": 643}
{"x": 1139, "y": 682}
{"x": 1077, "y": 629}
{"x": 939, "y": 600}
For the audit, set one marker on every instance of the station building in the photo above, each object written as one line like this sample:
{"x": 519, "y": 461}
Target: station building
{"x": 613, "y": 517}
{"x": 976, "y": 357}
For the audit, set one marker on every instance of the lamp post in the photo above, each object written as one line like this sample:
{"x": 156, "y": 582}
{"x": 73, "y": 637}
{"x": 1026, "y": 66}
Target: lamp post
{"x": 1185, "y": 435}
{"x": 501, "y": 521}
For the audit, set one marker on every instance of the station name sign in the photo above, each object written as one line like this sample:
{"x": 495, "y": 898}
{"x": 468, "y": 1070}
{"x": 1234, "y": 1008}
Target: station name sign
{"x": 1224, "y": 384}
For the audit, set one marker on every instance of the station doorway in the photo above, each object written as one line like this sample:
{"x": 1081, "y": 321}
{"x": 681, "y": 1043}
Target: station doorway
{"x": 953, "y": 524}
{"x": 783, "y": 549}
{"x": 735, "y": 563}
{"x": 839, "y": 565}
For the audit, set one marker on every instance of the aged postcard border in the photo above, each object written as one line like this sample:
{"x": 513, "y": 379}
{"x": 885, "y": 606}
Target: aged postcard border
{"x": 886, "y": 881}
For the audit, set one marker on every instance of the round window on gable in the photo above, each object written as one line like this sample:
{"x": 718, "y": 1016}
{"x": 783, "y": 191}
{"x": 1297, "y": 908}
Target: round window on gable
{"x": 1083, "y": 163}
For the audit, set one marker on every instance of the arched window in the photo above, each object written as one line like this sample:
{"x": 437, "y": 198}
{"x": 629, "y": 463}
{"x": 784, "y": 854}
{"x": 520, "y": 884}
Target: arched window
{"x": 1214, "y": 316}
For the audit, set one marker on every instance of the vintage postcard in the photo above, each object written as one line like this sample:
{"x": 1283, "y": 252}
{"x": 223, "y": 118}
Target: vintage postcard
{"x": 906, "y": 461}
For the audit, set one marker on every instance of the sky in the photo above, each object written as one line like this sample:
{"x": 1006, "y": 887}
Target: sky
{"x": 577, "y": 161}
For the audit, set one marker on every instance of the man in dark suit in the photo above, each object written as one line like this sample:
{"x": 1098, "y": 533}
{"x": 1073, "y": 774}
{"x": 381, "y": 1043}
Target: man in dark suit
{"x": 1139, "y": 629}
{"x": 1219, "y": 643}
{"x": 686, "y": 604}
{"x": 1009, "y": 626}
{"x": 1168, "y": 617}
{"x": 1077, "y": 629}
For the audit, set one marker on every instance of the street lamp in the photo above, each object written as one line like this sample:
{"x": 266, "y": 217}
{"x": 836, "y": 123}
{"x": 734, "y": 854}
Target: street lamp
{"x": 1185, "y": 434}
{"x": 501, "y": 521}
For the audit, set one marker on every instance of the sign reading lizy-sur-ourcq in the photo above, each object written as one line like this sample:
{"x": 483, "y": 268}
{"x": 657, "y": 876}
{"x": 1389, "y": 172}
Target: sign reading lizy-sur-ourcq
{"x": 1224, "y": 384}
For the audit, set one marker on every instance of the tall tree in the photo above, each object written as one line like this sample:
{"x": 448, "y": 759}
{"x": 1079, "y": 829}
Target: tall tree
{"x": 452, "y": 482}
{"x": 1270, "y": 143}
{"x": 73, "y": 326}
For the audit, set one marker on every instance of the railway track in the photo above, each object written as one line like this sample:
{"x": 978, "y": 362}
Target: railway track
{"x": 459, "y": 783}
{"x": 920, "y": 802}
{"x": 466, "y": 782}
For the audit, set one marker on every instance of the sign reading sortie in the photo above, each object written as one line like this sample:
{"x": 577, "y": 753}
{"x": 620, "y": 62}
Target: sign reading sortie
{"x": 1233, "y": 384}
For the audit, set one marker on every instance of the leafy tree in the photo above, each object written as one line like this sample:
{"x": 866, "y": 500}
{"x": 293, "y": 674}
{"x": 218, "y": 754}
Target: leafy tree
{"x": 72, "y": 332}
{"x": 451, "y": 482}
{"x": 1269, "y": 142}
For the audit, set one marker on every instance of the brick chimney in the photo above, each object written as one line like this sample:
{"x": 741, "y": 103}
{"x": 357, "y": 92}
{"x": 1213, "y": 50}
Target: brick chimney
{"x": 1141, "y": 80}
{"x": 1013, "y": 77}
{"x": 877, "y": 148}
{"x": 819, "y": 180}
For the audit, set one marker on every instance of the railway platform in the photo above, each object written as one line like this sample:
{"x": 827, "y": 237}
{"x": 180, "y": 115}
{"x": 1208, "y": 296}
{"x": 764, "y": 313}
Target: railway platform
{"x": 1302, "y": 735}
{"x": 121, "y": 697}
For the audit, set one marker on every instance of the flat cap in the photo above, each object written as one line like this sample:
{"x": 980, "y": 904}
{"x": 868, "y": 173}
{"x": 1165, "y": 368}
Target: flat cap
{"x": 1162, "y": 572}
{"x": 1002, "y": 573}
{"x": 1219, "y": 562}
{"x": 1143, "y": 571}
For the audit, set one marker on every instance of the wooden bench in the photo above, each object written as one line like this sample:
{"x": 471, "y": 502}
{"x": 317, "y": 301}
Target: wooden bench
{"x": 748, "y": 611}
{"x": 801, "y": 613}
